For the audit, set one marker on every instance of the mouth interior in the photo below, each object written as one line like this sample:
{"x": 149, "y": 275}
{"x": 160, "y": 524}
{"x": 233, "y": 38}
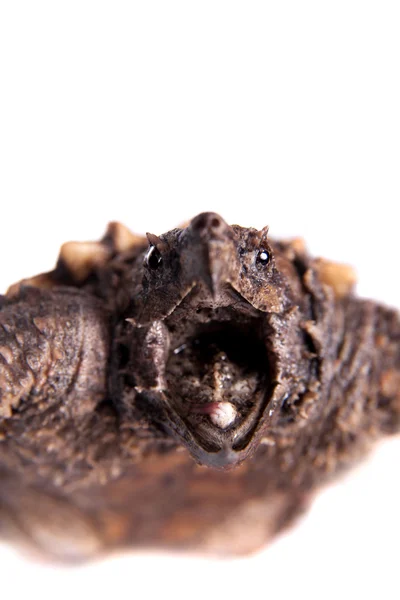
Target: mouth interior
{"x": 217, "y": 375}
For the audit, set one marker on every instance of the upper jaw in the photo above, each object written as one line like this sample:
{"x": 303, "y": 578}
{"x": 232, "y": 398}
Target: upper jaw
{"x": 205, "y": 258}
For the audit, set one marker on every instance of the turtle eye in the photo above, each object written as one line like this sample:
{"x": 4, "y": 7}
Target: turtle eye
{"x": 263, "y": 258}
{"x": 153, "y": 258}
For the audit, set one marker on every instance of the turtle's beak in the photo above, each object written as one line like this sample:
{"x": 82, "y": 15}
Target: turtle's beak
{"x": 215, "y": 256}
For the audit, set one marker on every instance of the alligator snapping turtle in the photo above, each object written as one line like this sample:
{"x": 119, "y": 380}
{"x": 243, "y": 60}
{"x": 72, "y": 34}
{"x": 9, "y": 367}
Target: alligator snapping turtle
{"x": 189, "y": 390}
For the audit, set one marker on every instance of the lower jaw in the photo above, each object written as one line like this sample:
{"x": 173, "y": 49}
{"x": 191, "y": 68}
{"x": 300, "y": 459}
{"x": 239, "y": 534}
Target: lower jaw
{"x": 214, "y": 447}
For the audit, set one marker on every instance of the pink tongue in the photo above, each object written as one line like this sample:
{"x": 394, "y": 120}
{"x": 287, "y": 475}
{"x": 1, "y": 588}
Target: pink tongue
{"x": 222, "y": 414}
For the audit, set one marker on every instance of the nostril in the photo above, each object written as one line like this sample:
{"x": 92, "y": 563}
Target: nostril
{"x": 208, "y": 222}
{"x": 200, "y": 223}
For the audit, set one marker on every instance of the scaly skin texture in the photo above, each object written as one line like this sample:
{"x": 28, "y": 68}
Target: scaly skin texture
{"x": 191, "y": 390}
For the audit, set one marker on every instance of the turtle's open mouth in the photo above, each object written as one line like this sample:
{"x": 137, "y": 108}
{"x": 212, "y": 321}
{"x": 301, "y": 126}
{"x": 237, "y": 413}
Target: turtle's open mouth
{"x": 218, "y": 376}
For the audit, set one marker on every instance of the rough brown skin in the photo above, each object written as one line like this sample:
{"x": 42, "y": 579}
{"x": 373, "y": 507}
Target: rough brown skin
{"x": 191, "y": 390}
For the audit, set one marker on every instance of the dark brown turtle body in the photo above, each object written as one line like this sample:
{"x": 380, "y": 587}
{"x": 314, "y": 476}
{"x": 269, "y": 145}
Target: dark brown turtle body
{"x": 189, "y": 390}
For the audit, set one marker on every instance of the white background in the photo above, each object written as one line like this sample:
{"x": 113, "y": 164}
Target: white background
{"x": 279, "y": 113}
